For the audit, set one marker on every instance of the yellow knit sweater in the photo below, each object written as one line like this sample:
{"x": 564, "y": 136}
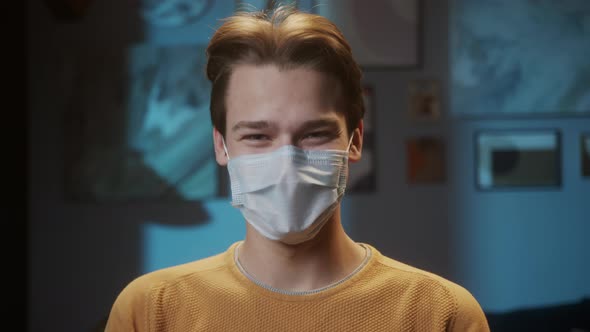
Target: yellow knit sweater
{"x": 213, "y": 295}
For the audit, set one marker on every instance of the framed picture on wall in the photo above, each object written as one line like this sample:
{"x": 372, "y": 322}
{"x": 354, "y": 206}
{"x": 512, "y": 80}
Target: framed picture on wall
{"x": 499, "y": 70}
{"x": 425, "y": 160}
{"x": 424, "y": 100}
{"x": 585, "y": 155}
{"x": 518, "y": 159}
{"x": 382, "y": 33}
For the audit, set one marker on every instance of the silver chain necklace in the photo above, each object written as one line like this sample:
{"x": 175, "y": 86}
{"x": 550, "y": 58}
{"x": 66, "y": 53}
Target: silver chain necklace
{"x": 303, "y": 292}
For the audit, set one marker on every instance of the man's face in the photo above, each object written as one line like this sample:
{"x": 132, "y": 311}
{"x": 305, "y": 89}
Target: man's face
{"x": 268, "y": 108}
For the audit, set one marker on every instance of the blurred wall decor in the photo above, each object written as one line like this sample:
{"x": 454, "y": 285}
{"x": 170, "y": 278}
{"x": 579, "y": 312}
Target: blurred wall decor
{"x": 382, "y": 33}
{"x": 513, "y": 159}
{"x": 142, "y": 132}
{"x": 172, "y": 13}
{"x": 585, "y": 154}
{"x": 426, "y": 160}
{"x": 424, "y": 100}
{"x": 137, "y": 123}
{"x": 508, "y": 58}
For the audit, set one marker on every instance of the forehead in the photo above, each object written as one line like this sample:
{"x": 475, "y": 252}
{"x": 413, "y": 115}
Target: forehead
{"x": 258, "y": 91}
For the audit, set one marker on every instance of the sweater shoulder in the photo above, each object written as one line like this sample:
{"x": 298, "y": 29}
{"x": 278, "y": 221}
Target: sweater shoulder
{"x": 465, "y": 312}
{"x": 172, "y": 273}
{"x": 410, "y": 273}
{"x": 414, "y": 273}
{"x": 129, "y": 309}
{"x": 150, "y": 281}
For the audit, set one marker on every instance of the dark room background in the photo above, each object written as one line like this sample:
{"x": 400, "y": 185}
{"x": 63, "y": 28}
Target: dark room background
{"x": 121, "y": 179}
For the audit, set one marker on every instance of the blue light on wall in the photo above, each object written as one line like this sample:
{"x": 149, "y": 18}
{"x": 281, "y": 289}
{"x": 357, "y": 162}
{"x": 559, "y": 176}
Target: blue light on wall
{"x": 171, "y": 61}
{"x": 167, "y": 245}
{"x": 178, "y": 22}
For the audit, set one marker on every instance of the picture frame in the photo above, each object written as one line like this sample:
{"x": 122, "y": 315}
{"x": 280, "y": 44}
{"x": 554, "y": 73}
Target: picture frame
{"x": 425, "y": 160}
{"x": 424, "y": 100}
{"x": 383, "y": 34}
{"x": 501, "y": 79}
{"x": 585, "y": 155}
{"x": 511, "y": 159}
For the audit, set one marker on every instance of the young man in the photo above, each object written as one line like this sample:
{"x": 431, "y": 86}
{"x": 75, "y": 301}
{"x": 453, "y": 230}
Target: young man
{"x": 287, "y": 108}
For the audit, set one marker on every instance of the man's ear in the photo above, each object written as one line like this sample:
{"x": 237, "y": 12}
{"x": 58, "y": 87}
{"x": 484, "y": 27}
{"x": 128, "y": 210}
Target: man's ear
{"x": 356, "y": 147}
{"x": 220, "y": 155}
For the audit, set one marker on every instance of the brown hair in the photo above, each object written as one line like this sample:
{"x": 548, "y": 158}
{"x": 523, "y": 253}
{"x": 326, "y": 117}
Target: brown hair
{"x": 287, "y": 38}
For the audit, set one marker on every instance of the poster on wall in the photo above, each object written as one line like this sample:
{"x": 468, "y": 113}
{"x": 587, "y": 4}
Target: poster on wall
{"x": 138, "y": 125}
{"x": 424, "y": 100}
{"x": 519, "y": 58}
{"x": 425, "y": 160}
{"x": 585, "y": 155}
{"x": 382, "y": 33}
{"x": 513, "y": 159}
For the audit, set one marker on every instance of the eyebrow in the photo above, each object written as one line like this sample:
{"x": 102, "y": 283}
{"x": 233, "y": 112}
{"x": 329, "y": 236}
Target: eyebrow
{"x": 251, "y": 125}
{"x": 312, "y": 124}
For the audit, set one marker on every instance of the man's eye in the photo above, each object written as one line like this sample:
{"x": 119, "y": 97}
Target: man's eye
{"x": 255, "y": 137}
{"x": 317, "y": 134}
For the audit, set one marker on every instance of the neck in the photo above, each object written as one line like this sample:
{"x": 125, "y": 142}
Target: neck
{"x": 330, "y": 256}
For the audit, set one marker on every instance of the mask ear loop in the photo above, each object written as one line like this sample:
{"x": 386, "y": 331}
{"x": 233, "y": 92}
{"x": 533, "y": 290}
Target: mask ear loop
{"x": 225, "y": 147}
{"x": 350, "y": 142}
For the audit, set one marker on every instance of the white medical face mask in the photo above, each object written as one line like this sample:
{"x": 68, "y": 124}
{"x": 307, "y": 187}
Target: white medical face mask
{"x": 288, "y": 194}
